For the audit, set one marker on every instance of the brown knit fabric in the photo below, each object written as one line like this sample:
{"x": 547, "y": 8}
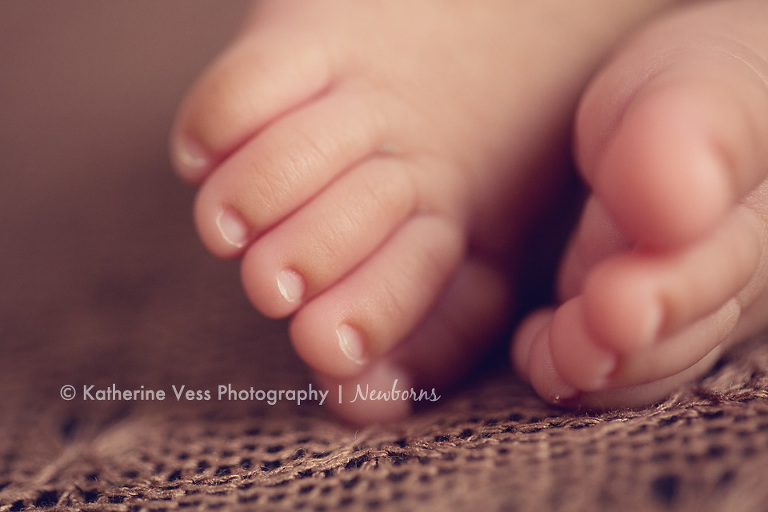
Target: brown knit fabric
{"x": 103, "y": 282}
{"x": 493, "y": 446}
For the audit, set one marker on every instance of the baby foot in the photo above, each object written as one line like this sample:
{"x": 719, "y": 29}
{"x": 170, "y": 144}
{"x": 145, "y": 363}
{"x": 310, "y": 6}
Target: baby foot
{"x": 365, "y": 160}
{"x": 668, "y": 265}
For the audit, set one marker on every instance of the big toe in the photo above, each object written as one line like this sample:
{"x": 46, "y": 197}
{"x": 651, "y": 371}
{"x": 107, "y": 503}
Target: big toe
{"x": 671, "y": 133}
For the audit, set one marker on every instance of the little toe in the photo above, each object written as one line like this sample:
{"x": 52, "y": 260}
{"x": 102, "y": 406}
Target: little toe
{"x": 372, "y": 309}
{"x": 542, "y": 372}
{"x": 440, "y": 352}
{"x": 554, "y": 351}
{"x": 671, "y": 134}
{"x": 524, "y": 337}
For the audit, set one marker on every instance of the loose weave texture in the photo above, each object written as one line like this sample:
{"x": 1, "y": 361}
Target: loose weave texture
{"x": 492, "y": 446}
{"x": 103, "y": 281}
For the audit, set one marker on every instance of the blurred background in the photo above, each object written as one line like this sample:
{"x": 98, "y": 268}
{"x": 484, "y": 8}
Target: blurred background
{"x": 102, "y": 278}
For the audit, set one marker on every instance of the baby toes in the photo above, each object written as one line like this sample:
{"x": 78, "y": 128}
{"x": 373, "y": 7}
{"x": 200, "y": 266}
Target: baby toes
{"x": 441, "y": 351}
{"x": 327, "y": 238}
{"x": 286, "y": 166}
{"x": 597, "y": 346}
{"x": 668, "y": 265}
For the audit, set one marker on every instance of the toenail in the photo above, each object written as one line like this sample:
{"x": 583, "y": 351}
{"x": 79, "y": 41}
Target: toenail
{"x": 193, "y": 160}
{"x": 232, "y": 227}
{"x": 291, "y": 285}
{"x": 351, "y": 343}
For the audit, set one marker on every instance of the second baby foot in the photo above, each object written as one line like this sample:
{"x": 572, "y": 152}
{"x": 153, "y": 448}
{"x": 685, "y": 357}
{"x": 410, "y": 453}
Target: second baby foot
{"x": 668, "y": 266}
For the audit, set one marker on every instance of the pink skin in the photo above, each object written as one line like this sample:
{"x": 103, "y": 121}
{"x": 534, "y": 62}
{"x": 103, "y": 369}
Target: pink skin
{"x": 668, "y": 265}
{"x": 365, "y": 159}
